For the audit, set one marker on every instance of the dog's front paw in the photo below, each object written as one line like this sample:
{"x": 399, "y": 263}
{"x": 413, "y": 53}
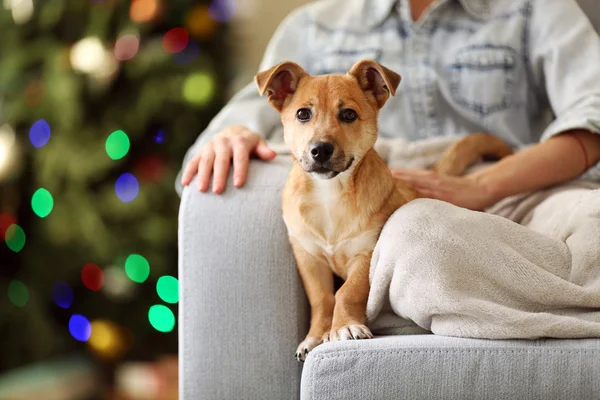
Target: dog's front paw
{"x": 306, "y": 346}
{"x": 348, "y": 332}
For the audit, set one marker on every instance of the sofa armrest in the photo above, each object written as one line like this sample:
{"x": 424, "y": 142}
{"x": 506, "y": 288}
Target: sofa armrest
{"x": 243, "y": 309}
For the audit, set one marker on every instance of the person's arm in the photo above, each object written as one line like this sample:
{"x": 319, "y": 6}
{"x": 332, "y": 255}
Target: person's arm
{"x": 554, "y": 161}
{"x": 246, "y": 115}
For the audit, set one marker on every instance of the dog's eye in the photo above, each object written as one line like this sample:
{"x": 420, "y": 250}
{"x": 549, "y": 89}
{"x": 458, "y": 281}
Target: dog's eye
{"x": 303, "y": 115}
{"x": 348, "y": 115}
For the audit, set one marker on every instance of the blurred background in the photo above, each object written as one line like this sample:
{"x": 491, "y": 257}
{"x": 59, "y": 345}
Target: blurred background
{"x": 99, "y": 100}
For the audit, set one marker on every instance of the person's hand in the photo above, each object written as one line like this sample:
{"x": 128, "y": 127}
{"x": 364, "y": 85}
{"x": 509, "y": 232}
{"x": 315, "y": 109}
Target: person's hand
{"x": 235, "y": 142}
{"x": 466, "y": 191}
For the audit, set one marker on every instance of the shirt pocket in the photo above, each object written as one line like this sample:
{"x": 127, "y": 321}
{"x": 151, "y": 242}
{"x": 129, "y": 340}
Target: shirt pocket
{"x": 339, "y": 62}
{"x": 482, "y": 78}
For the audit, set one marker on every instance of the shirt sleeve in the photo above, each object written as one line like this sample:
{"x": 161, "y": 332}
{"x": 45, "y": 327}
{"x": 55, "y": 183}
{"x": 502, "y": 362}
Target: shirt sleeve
{"x": 564, "y": 51}
{"x": 289, "y": 43}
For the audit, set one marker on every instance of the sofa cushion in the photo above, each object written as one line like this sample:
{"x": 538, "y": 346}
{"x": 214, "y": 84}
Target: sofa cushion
{"x": 436, "y": 367}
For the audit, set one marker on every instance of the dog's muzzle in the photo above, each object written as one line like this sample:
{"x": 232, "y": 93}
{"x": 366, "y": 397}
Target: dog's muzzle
{"x": 321, "y": 160}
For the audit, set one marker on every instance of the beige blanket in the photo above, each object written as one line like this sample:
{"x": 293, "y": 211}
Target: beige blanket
{"x": 528, "y": 268}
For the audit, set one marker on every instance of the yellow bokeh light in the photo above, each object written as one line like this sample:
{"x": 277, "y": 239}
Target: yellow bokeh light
{"x": 108, "y": 340}
{"x": 199, "y": 23}
{"x": 199, "y": 88}
{"x": 143, "y": 10}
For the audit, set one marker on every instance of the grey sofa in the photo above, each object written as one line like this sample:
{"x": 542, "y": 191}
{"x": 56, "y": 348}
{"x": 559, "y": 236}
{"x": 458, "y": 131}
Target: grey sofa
{"x": 243, "y": 312}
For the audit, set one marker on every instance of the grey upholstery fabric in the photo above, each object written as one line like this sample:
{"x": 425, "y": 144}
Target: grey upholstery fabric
{"x": 243, "y": 310}
{"x": 431, "y": 367}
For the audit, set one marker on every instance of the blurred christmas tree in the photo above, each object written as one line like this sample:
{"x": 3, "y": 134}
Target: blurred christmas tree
{"x": 99, "y": 99}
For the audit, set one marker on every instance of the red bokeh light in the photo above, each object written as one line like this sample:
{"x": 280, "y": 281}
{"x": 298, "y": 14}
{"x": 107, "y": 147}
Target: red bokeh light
{"x": 150, "y": 169}
{"x": 175, "y": 40}
{"x": 6, "y": 220}
{"x": 92, "y": 277}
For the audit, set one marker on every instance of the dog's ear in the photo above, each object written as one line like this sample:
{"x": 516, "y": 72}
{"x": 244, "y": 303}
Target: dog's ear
{"x": 376, "y": 79}
{"x": 279, "y": 82}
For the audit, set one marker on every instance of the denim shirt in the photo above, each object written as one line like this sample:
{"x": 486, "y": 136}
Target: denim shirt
{"x": 523, "y": 70}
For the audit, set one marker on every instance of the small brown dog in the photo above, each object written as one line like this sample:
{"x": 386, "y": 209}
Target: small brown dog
{"x": 340, "y": 193}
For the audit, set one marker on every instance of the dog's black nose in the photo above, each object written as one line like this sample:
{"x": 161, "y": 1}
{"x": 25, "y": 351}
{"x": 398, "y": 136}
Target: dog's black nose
{"x": 321, "y": 151}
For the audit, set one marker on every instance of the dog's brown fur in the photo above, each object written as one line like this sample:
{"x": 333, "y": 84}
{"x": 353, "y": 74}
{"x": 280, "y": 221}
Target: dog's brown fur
{"x": 334, "y": 223}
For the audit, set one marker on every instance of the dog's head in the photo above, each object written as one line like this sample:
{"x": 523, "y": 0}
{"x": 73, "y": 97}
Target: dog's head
{"x": 329, "y": 121}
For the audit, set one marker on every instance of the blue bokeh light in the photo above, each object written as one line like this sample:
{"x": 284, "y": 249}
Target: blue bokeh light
{"x": 62, "y": 294}
{"x": 80, "y": 328}
{"x": 189, "y": 54}
{"x": 127, "y": 187}
{"x": 221, "y": 10}
{"x": 160, "y": 136}
{"x": 39, "y": 133}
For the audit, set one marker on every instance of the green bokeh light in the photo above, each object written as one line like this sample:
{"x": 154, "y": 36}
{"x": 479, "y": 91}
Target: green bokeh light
{"x": 161, "y": 318}
{"x": 199, "y": 88}
{"x": 15, "y": 238}
{"x": 117, "y": 145}
{"x": 18, "y": 293}
{"x": 42, "y": 203}
{"x": 167, "y": 288}
{"x": 137, "y": 268}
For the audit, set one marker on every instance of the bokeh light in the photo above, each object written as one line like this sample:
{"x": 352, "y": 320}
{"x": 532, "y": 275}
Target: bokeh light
{"x": 42, "y": 203}
{"x": 199, "y": 22}
{"x": 143, "y": 10}
{"x": 161, "y": 318}
{"x": 62, "y": 294}
{"x": 92, "y": 277}
{"x": 151, "y": 169}
{"x": 6, "y": 220}
{"x": 108, "y": 340}
{"x": 22, "y": 10}
{"x": 221, "y": 10}
{"x": 34, "y": 93}
{"x": 189, "y": 54}
{"x": 39, "y": 133}
{"x": 80, "y": 328}
{"x": 137, "y": 268}
{"x": 14, "y": 237}
{"x": 117, "y": 286}
{"x": 199, "y": 88}
{"x": 127, "y": 187}
{"x": 117, "y": 145}
{"x": 175, "y": 40}
{"x": 18, "y": 293}
{"x": 89, "y": 56}
{"x": 126, "y": 47}
{"x": 160, "y": 136}
{"x": 8, "y": 151}
{"x": 167, "y": 288}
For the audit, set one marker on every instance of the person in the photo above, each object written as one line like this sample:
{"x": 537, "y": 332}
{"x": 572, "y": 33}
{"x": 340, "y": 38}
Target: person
{"x": 524, "y": 70}
{"x": 466, "y": 67}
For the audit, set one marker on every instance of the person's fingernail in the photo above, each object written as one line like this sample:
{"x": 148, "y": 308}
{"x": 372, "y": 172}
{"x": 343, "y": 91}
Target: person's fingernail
{"x": 237, "y": 181}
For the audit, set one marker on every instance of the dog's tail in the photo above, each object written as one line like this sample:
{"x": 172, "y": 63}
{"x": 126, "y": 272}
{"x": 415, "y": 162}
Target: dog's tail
{"x": 469, "y": 150}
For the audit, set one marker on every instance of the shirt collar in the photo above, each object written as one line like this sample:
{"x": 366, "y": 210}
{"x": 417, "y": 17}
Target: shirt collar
{"x": 381, "y": 9}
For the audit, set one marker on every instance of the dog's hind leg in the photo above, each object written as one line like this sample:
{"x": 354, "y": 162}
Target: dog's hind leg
{"x": 469, "y": 150}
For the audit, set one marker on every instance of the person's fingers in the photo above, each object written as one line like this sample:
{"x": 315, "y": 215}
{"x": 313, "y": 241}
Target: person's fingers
{"x": 190, "y": 170}
{"x": 263, "y": 151}
{"x": 205, "y": 168}
{"x": 221, "y": 165}
{"x": 241, "y": 160}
